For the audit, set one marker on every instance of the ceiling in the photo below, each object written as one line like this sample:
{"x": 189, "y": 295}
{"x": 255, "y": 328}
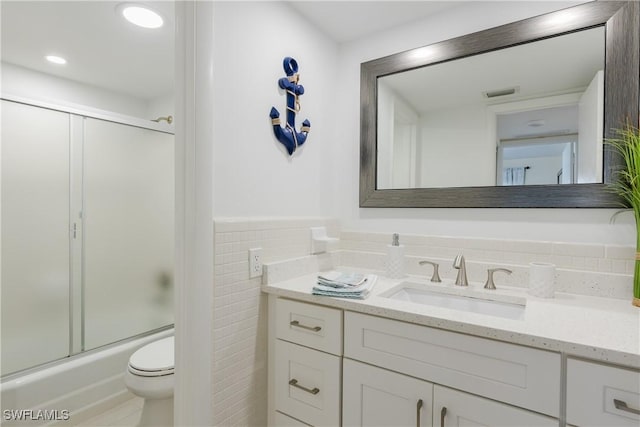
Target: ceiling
{"x": 559, "y": 124}
{"x": 104, "y": 50}
{"x": 345, "y": 21}
{"x": 546, "y": 121}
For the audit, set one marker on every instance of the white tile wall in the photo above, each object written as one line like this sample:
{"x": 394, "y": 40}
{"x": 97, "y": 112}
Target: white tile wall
{"x": 239, "y": 310}
{"x": 588, "y": 269}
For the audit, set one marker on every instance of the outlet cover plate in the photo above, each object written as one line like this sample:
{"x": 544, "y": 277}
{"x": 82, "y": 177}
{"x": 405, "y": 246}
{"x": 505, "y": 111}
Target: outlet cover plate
{"x": 255, "y": 262}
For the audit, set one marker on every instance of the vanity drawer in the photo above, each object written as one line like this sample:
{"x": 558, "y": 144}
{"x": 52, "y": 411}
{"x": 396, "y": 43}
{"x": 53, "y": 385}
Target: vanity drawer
{"x": 592, "y": 389}
{"x": 309, "y": 325}
{"x": 514, "y": 374}
{"x": 307, "y": 384}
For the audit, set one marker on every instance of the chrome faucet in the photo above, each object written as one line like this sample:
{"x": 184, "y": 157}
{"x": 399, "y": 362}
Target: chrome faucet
{"x": 458, "y": 264}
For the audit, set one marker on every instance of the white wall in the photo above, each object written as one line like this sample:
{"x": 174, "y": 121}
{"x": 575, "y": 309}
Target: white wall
{"x": 253, "y": 174}
{"x": 577, "y": 225}
{"x": 34, "y": 85}
{"x": 162, "y": 106}
{"x": 458, "y": 138}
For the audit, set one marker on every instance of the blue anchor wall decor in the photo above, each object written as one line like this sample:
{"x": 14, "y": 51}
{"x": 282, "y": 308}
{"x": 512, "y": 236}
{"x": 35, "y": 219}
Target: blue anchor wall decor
{"x": 288, "y": 135}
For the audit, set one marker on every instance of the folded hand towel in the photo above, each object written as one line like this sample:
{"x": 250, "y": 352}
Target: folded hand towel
{"x": 338, "y": 279}
{"x": 345, "y": 285}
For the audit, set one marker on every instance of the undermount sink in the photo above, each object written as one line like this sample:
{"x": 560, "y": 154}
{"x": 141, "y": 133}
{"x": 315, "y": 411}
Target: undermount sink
{"x": 462, "y": 299}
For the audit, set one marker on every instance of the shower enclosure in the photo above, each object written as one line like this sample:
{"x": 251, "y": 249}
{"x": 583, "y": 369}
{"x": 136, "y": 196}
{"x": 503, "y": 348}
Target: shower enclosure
{"x": 87, "y": 232}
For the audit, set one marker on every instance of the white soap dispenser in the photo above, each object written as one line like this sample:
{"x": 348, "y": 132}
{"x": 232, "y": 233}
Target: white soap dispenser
{"x": 395, "y": 258}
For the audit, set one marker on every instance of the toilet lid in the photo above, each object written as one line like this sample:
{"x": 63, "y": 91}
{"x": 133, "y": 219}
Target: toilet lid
{"x": 156, "y": 357}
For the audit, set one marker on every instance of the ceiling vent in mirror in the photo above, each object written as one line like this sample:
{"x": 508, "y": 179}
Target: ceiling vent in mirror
{"x": 140, "y": 15}
{"x": 535, "y": 123}
{"x": 501, "y": 92}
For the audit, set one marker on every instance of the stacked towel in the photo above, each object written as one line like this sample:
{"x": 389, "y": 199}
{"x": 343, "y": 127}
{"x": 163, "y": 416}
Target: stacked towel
{"x": 344, "y": 285}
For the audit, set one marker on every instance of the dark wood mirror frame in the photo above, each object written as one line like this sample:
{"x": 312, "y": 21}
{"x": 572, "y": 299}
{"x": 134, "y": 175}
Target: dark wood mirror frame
{"x": 621, "y": 20}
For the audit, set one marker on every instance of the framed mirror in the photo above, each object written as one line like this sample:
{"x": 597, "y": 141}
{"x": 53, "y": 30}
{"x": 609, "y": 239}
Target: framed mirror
{"x": 513, "y": 116}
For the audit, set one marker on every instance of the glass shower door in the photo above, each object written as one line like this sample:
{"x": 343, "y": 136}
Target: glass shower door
{"x": 128, "y": 231}
{"x": 35, "y": 236}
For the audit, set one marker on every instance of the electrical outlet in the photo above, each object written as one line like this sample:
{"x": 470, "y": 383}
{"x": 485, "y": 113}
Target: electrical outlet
{"x": 255, "y": 262}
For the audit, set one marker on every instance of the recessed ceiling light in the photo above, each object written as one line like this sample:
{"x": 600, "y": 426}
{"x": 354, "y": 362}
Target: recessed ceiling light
{"x": 140, "y": 15}
{"x": 56, "y": 59}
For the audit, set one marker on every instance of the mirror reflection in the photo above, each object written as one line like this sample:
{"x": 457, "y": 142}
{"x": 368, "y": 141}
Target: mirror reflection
{"x": 527, "y": 115}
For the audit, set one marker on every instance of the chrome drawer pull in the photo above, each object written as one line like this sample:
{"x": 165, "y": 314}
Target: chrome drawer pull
{"x": 619, "y": 404}
{"x": 418, "y": 408}
{"x": 443, "y": 413}
{"x": 294, "y": 382}
{"x": 309, "y": 328}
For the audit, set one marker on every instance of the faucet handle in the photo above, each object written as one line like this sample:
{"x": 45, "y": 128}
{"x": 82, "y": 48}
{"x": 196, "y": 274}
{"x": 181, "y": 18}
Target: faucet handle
{"x": 435, "y": 277}
{"x": 490, "y": 284}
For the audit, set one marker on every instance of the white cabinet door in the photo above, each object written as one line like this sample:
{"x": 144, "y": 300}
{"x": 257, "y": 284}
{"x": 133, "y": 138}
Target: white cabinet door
{"x": 376, "y": 397}
{"x": 455, "y": 408}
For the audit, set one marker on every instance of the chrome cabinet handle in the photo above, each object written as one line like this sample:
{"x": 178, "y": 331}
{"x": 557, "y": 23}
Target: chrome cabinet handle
{"x": 443, "y": 413}
{"x": 418, "y": 410}
{"x": 294, "y": 382}
{"x": 619, "y": 404}
{"x": 309, "y": 328}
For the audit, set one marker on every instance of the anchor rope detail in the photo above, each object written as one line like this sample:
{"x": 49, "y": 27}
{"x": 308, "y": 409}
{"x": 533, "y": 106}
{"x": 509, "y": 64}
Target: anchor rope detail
{"x": 294, "y": 79}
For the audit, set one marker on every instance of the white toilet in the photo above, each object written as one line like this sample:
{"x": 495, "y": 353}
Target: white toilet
{"x": 150, "y": 375}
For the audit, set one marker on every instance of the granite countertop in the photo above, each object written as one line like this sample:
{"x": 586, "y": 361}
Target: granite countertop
{"x": 602, "y": 329}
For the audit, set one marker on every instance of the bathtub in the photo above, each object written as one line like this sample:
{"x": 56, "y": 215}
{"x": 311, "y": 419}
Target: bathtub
{"x": 69, "y": 391}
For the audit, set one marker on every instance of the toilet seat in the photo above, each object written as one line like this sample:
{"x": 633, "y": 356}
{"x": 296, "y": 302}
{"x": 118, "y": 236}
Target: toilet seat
{"x": 153, "y": 360}
{"x": 142, "y": 373}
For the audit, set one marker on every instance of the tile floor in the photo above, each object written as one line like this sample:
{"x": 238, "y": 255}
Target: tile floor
{"x": 126, "y": 414}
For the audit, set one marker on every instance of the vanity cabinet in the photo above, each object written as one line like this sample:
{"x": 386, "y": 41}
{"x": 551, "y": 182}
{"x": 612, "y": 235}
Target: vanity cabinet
{"x": 333, "y": 367}
{"x": 307, "y": 364}
{"x": 602, "y": 395}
